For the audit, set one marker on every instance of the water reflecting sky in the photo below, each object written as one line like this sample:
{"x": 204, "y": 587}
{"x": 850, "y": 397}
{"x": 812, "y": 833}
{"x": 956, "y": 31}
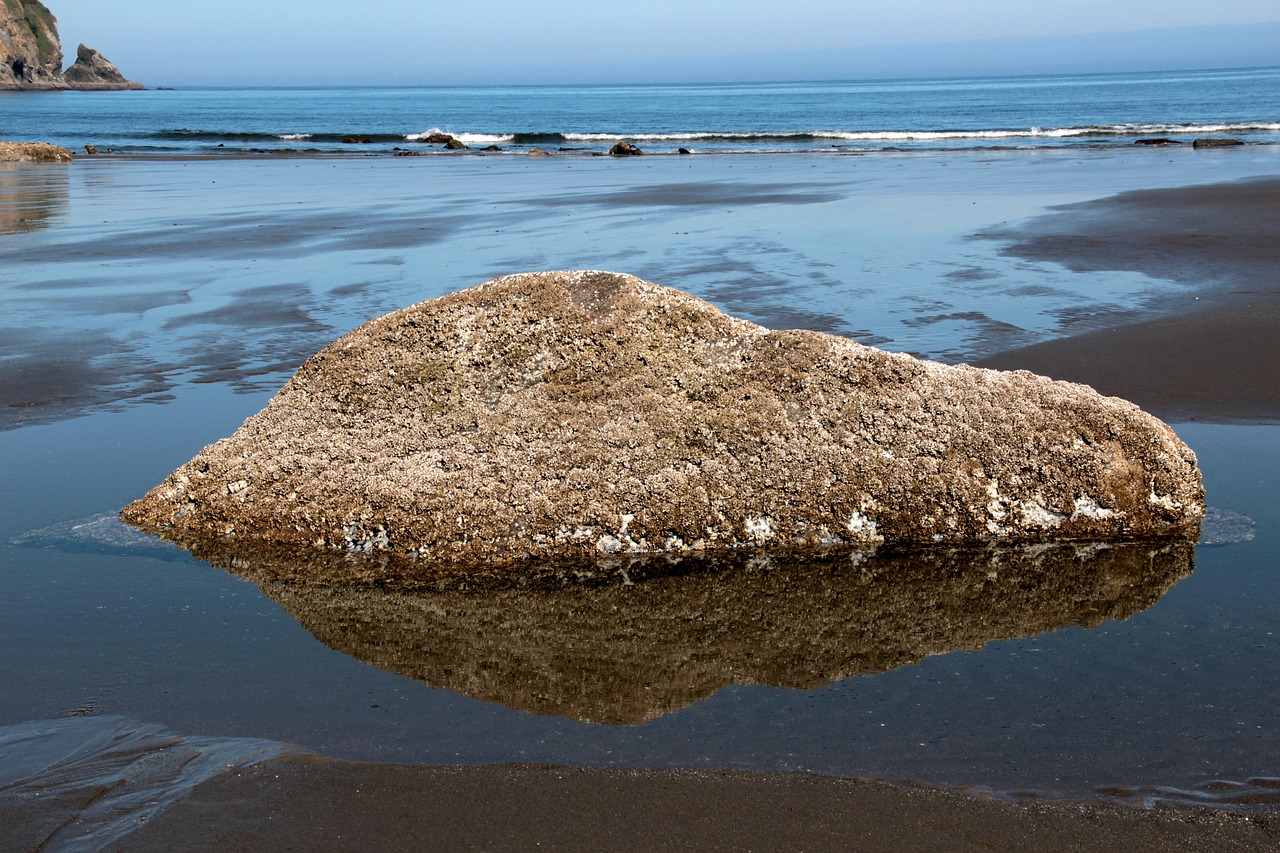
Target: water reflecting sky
{"x": 160, "y": 304}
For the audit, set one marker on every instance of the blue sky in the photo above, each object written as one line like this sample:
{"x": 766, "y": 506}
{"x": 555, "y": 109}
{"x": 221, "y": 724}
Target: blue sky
{"x": 410, "y": 42}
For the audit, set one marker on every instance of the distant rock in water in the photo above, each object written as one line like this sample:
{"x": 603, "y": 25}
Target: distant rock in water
{"x": 624, "y": 149}
{"x": 447, "y": 140}
{"x": 1216, "y": 142}
{"x": 583, "y": 414}
{"x": 39, "y": 152}
{"x": 31, "y": 54}
{"x": 92, "y": 71}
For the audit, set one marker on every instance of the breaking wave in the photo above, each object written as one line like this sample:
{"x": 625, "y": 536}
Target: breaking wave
{"x": 731, "y": 140}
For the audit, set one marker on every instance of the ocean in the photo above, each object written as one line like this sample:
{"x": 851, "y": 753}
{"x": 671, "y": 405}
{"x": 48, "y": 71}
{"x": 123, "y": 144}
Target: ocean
{"x": 152, "y": 301}
{"x": 1078, "y": 111}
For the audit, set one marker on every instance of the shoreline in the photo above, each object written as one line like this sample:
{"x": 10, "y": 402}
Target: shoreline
{"x": 1213, "y": 365}
{"x": 111, "y": 783}
{"x": 521, "y": 150}
{"x": 315, "y": 803}
{"x": 319, "y": 804}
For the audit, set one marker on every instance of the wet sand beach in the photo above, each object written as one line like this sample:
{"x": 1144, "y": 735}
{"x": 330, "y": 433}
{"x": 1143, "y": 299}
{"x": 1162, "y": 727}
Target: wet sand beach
{"x": 202, "y": 325}
{"x": 311, "y": 804}
{"x": 1216, "y": 355}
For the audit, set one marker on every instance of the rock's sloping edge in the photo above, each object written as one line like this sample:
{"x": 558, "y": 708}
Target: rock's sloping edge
{"x": 570, "y": 414}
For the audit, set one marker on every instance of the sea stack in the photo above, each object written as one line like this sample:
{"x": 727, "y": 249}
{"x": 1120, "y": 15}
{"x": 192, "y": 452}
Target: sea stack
{"x": 586, "y": 414}
{"x": 92, "y": 71}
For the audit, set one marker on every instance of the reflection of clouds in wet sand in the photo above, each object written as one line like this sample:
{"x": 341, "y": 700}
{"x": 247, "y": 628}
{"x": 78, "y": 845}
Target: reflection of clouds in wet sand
{"x": 108, "y": 297}
{"x": 31, "y": 196}
{"x": 248, "y": 342}
{"x": 1213, "y": 354}
{"x": 625, "y": 644}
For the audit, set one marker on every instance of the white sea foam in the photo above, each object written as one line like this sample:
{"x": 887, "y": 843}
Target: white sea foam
{"x": 294, "y": 136}
{"x": 465, "y": 138}
{"x": 1134, "y": 129}
{"x": 484, "y": 138}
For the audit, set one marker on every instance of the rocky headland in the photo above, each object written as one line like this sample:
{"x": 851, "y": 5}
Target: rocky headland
{"x": 580, "y": 415}
{"x": 31, "y": 54}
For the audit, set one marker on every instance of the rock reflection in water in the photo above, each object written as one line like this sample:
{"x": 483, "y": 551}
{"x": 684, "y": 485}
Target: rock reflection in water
{"x": 631, "y": 642}
{"x": 31, "y": 195}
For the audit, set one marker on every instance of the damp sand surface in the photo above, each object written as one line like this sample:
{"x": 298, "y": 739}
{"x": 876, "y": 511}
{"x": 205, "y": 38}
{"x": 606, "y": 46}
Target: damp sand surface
{"x": 1213, "y": 351}
{"x": 112, "y": 784}
{"x": 162, "y": 302}
{"x": 308, "y": 803}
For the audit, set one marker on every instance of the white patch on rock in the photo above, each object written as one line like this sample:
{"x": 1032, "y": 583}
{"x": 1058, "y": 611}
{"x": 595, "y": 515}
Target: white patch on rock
{"x": 863, "y": 529}
{"x": 759, "y": 527}
{"x": 1164, "y": 501}
{"x": 1087, "y": 507}
{"x": 826, "y": 537}
{"x": 1034, "y": 513}
{"x": 608, "y": 544}
{"x": 995, "y": 506}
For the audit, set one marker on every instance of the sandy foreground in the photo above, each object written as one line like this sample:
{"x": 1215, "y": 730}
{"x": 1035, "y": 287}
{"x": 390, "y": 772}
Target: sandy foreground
{"x": 312, "y": 804}
{"x": 1214, "y": 359}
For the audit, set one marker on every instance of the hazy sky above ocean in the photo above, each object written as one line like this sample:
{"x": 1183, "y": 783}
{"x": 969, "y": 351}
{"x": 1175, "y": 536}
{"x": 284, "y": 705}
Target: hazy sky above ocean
{"x": 411, "y": 42}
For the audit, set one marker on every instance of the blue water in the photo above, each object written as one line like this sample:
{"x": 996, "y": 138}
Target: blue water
{"x": 1047, "y": 111}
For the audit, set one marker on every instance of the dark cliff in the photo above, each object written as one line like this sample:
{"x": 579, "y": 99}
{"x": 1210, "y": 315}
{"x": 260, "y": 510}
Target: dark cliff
{"x": 31, "y": 54}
